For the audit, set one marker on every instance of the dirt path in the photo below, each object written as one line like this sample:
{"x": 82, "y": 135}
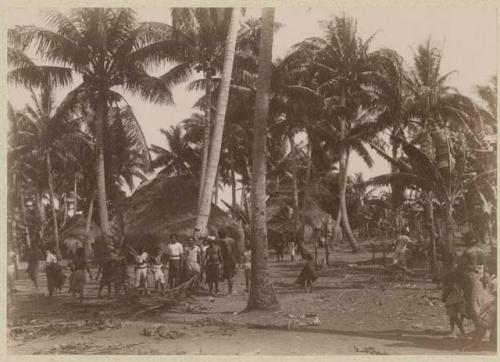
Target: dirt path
{"x": 354, "y": 309}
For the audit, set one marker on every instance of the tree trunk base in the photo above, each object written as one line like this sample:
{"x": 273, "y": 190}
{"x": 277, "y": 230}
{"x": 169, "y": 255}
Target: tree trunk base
{"x": 265, "y": 299}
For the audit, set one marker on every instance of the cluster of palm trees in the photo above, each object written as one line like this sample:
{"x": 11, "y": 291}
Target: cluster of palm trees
{"x": 286, "y": 127}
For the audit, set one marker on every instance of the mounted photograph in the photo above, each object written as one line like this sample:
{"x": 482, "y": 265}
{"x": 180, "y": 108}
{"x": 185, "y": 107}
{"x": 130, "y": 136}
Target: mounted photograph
{"x": 251, "y": 181}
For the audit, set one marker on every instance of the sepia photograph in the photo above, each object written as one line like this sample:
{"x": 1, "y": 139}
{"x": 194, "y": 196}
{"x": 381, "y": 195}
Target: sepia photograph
{"x": 249, "y": 181}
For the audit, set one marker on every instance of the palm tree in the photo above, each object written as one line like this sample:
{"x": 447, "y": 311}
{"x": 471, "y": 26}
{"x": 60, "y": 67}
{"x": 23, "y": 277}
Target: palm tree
{"x": 198, "y": 35}
{"x": 421, "y": 172}
{"x": 216, "y": 141}
{"x": 347, "y": 75}
{"x": 108, "y": 49}
{"x": 488, "y": 112}
{"x": 51, "y": 139}
{"x": 180, "y": 158}
{"x": 261, "y": 295}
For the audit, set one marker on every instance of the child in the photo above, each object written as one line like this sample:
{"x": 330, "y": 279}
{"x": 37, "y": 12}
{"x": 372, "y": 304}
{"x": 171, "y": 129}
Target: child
{"x": 454, "y": 301}
{"x": 308, "y": 274}
{"x": 246, "y": 265}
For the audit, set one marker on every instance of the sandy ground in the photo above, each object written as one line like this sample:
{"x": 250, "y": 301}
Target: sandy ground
{"x": 355, "y": 308}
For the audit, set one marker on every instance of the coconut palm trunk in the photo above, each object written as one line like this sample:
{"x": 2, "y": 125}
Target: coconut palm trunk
{"x": 100, "y": 115}
{"x": 216, "y": 142}
{"x": 344, "y": 163}
{"x": 41, "y": 215}
{"x": 75, "y": 196}
{"x": 262, "y": 296}
{"x": 25, "y": 220}
{"x": 206, "y": 135}
{"x": 299, "y": 232}
{"x": 430, "y": 211}
{"x": 233, "y": 180}
{"x": 87, "y": 225}
{"x": 216, "y": 188}
{"x": 449, "y": 234}
{"x": 53, "y": 206}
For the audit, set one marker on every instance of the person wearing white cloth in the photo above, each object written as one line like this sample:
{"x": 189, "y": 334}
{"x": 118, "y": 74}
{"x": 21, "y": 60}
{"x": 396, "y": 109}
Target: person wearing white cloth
{"x": 175, "y": 253}
{"x": 141, "y": 271}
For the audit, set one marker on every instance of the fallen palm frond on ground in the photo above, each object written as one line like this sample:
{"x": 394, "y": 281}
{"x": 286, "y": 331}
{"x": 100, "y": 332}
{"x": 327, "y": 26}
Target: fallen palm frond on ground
{"x": 36, "y": 330}
{"x": 172, "y": 297}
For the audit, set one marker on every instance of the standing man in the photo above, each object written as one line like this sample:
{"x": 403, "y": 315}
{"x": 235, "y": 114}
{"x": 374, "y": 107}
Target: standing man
{"x": 141, "y": 271}
{"x": 211, "y": 263}
{"x": 471, "y": 265}
{"x": 193, "y": 257}
{"x": 175, "y": 253}
{"x": 228, "y": 259}
{"x": 278, "y": 247}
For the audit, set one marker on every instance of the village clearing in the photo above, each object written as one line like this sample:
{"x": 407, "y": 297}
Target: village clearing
{"x": 355, "y": 308}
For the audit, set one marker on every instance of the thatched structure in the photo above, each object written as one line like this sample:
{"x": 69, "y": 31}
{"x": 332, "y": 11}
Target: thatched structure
{"x": 73, "y": 236}
{"x": 167, "y": 205}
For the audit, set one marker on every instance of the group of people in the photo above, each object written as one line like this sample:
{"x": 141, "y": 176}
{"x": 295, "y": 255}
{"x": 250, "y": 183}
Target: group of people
{"x": 211, "y": 260}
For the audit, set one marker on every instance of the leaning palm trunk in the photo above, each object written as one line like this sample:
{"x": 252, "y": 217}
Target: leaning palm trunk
{"x": 206, "y": 135}
{"x": 344, "y": 163}
{"x": 216, "y": 188}
{"x": 87, "y": 226}
{"x": 216, "y": 142}
{"x": 262, "y": 296}
{"x": 100, "y": 170}
{"x": 53, "y": 206}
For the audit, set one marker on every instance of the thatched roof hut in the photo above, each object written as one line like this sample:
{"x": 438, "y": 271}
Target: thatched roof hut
{"x": 166, "y": 205}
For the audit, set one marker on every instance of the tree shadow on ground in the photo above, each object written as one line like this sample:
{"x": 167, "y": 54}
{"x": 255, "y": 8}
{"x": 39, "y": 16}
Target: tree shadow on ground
{"x": 425, "y": 339}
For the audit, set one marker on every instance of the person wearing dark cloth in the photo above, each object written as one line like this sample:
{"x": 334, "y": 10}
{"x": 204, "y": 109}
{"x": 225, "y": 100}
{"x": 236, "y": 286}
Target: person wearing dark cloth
{"x": 211, "y": 262}
{"x": 278, "y": 248}
{"x": 175, "y": 252}
{"x": 79, "y": 267}
{"x": 472, "y": 264}
{"x": 228, "y": 259}
{"x": 106, "y": 269}
{"x": 55, "y": 276}
{"x": 33, "y": 265}
{"x": 453, "y": 300}
{"x": 308, "y": 273}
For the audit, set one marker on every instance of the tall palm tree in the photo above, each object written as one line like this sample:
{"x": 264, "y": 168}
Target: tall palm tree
{"x": 108, "y": 49}
{"x": 198, "y": 36}
{"x": 261, "y": 295}
{"x": 216, "y": 141}
{"x": 348, "y": 75}
{"x": 54, "y": 140}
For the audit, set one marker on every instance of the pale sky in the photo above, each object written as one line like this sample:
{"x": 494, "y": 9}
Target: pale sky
{"x": 467, "y": 36}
